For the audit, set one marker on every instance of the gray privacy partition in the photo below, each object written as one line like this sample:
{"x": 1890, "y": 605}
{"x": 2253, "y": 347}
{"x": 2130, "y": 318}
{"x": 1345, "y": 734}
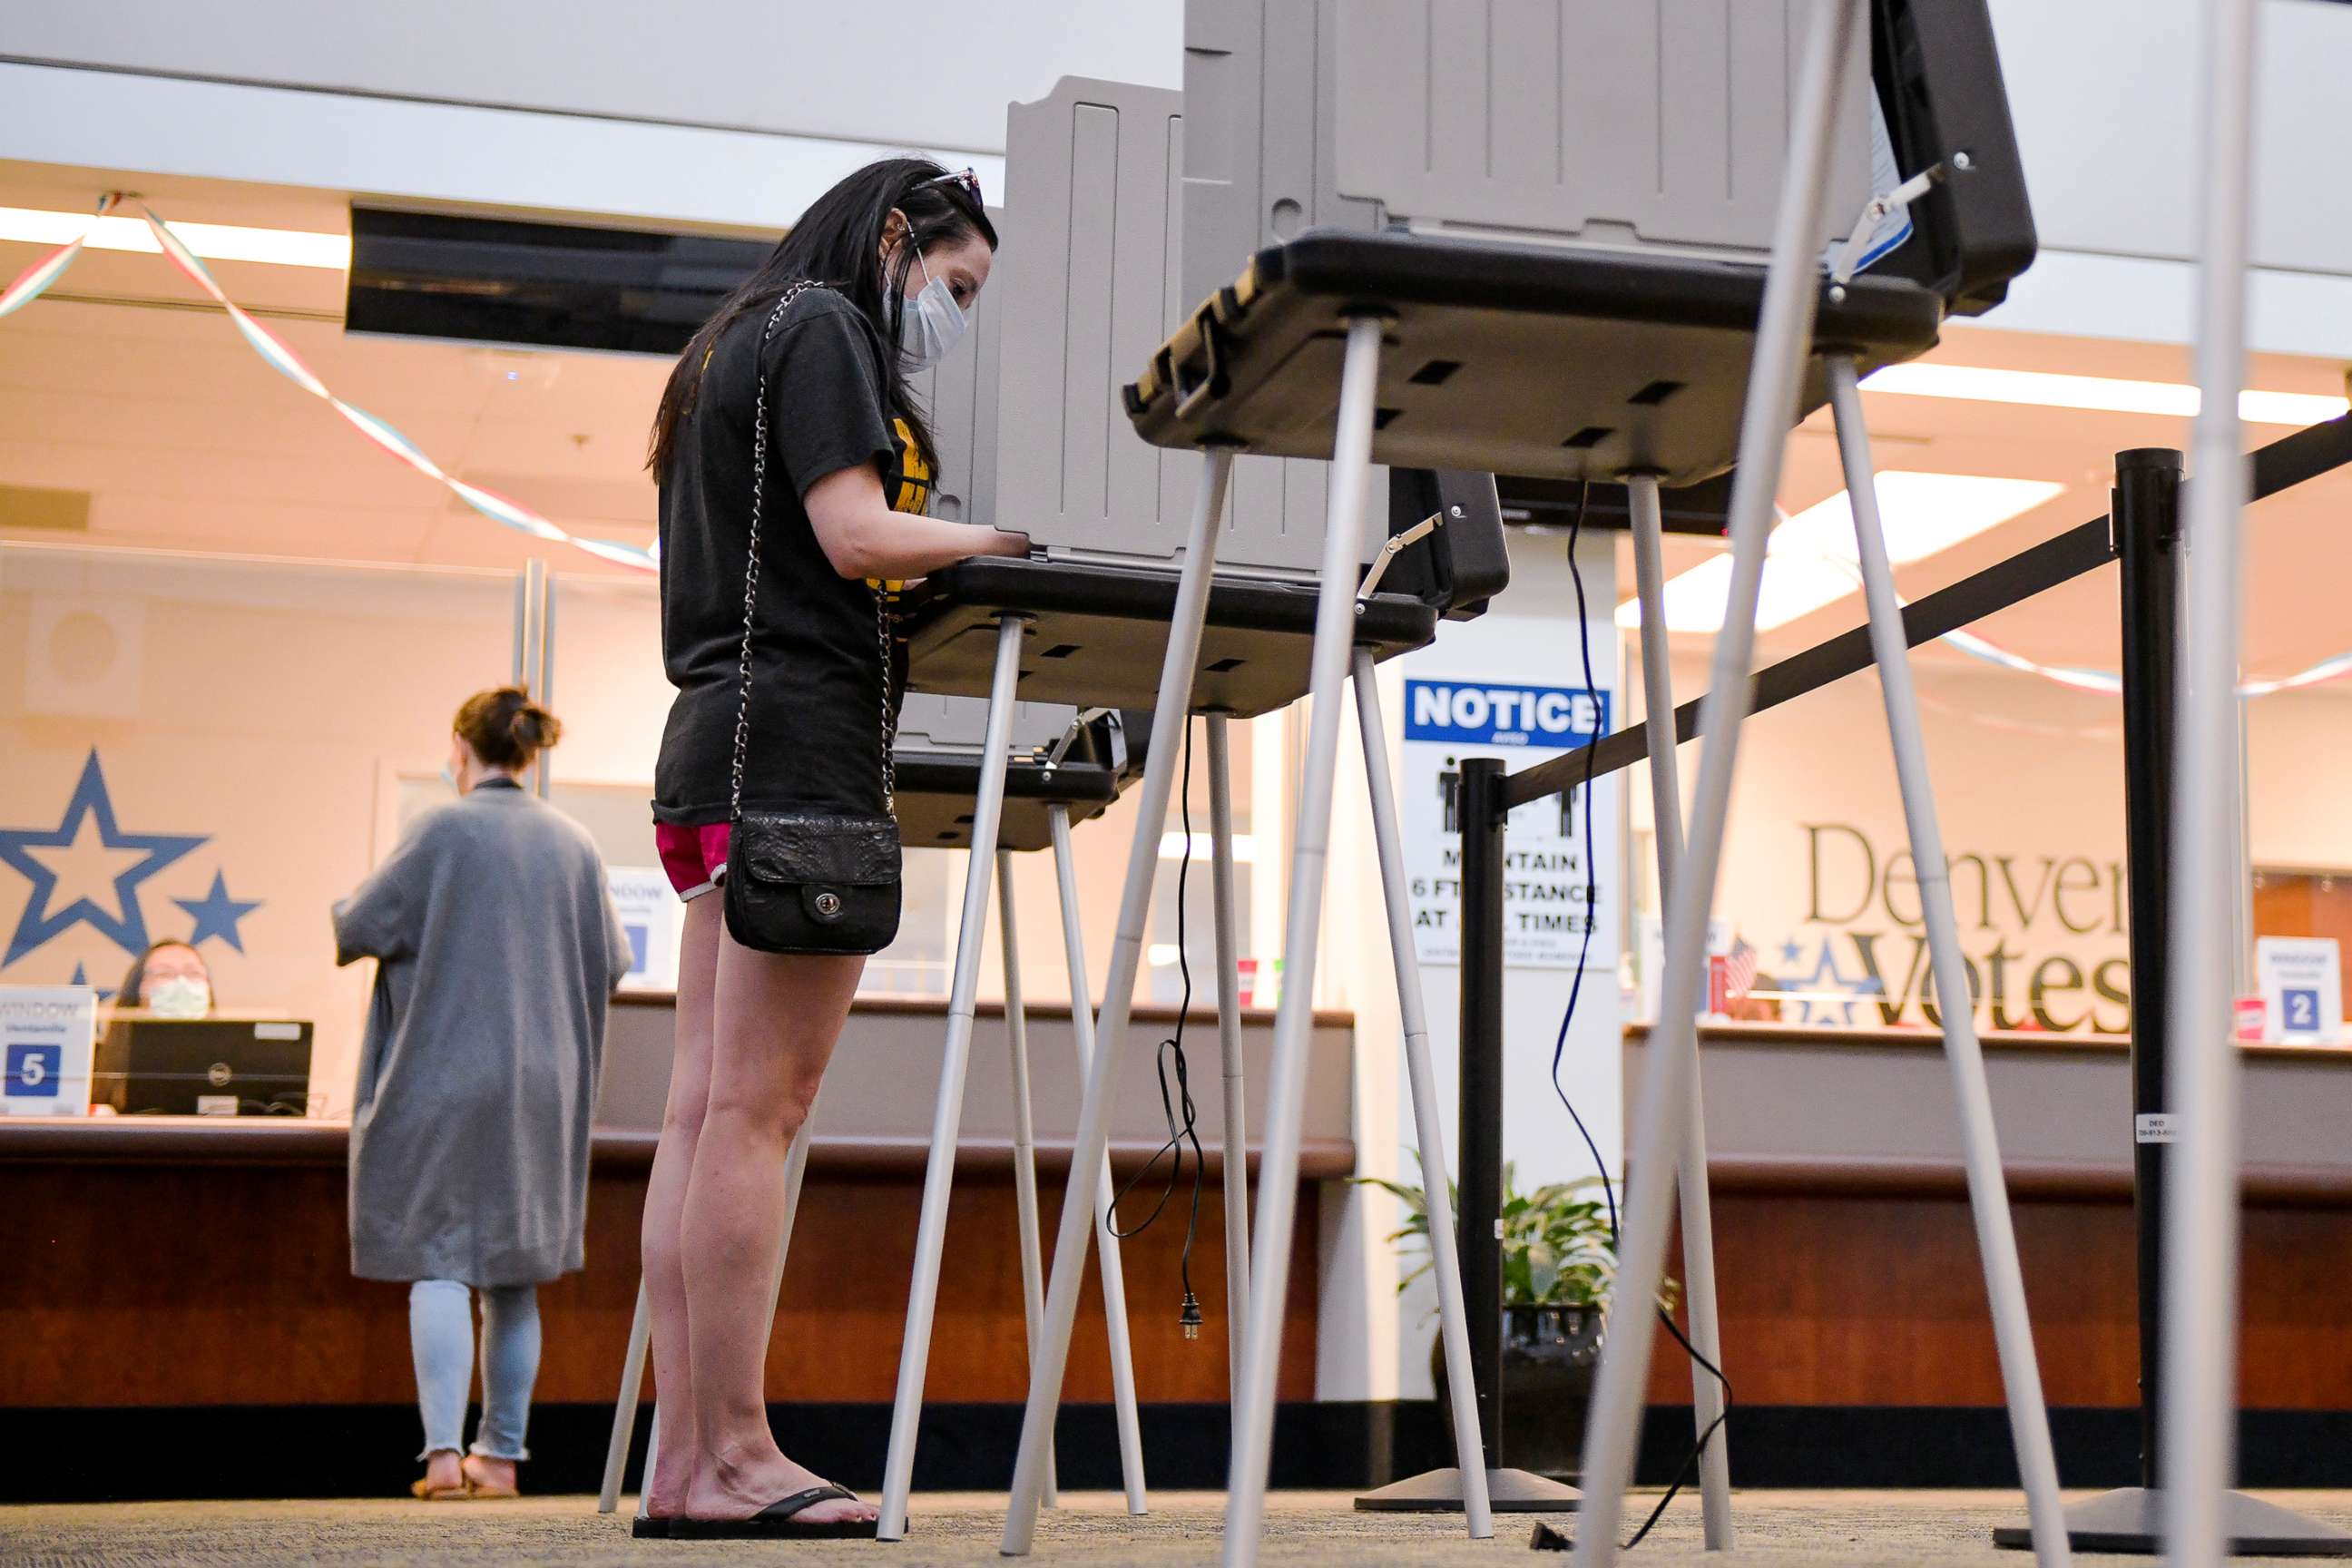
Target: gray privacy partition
{"x": 1094, "y": 274}
{"x": 1661, "y": 128}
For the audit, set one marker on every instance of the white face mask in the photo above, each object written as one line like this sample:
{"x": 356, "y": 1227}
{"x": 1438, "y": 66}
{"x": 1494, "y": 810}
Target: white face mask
{"x": 931, "y": 324}
{"x": 179, "y": 997}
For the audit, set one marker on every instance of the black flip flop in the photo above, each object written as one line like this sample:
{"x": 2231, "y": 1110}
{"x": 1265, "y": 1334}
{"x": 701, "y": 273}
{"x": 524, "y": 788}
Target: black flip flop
{"x": 780, "y": 1522}
{"x": 646, "y": 1528}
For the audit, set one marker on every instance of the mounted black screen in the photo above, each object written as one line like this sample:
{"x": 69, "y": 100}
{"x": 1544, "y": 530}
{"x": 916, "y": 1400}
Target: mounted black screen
{"x": 541, "y": 285}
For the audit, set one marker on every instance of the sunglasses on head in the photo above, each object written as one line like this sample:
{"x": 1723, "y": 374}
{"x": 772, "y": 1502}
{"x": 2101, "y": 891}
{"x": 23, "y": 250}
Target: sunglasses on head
{"x": 964, "y": 178}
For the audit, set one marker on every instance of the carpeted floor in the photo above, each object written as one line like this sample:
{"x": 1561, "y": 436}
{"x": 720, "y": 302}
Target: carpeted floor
{"x": 1780, "y": 1529}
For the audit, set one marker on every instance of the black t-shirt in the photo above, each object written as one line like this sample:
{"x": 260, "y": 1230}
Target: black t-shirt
{"x": 816, "y": 670}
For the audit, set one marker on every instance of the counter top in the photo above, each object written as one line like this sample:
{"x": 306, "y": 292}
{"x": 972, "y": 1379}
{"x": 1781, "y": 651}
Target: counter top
{"x": 1925, "y": 1038}
{"x": 1791, "y": 1108}
{"x": 1202, "y": 1016}
{"x": 297, "y": 1141}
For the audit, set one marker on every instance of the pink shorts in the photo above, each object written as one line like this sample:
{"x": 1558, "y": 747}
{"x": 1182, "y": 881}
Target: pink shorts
{"x": 695, "y": 857}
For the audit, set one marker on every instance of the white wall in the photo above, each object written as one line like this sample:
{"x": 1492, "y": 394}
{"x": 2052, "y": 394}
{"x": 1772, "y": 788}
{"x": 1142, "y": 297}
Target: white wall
{"x": 2106, "y": 97}
{"x": 929, "y": 72}
{"x": 725, "y": 111}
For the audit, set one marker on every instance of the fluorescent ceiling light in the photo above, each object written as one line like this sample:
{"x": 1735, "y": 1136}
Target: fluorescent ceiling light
{"x": 1972, "y": 383}
{"x": 213, "y": 241}
{"x": 1812, "y": 562}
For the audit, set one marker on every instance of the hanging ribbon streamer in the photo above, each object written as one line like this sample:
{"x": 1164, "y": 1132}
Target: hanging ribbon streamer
{"x": 35, "y": 281}
{"x": 38, "y": 278}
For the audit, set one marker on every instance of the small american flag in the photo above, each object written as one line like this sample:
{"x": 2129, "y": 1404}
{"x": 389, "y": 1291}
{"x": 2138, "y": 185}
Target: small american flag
{"x": 1739, "y": 970}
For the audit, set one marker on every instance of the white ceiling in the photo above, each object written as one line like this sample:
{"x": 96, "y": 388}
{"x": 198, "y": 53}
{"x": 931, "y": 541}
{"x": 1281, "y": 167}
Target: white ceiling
{"x": 125, "y": 382}
{"x": 2298, "y": 545}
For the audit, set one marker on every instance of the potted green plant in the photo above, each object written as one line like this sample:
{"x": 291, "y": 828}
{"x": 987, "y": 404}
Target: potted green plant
{"x": 1560, "y": 1264}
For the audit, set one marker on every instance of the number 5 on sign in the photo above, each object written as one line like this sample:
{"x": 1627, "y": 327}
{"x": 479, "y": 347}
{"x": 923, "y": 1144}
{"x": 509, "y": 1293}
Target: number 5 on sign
{"x": 46, "y": 1036}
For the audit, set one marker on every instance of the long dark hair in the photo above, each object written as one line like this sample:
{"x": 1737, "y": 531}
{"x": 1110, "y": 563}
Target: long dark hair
{"x": 838, "y": 243}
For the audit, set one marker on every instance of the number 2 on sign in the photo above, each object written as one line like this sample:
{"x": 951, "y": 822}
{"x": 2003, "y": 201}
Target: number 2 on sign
{"x": 2302, "y": 1010}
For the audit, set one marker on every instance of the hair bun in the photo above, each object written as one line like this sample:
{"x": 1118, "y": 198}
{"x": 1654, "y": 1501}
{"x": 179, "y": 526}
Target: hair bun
{"x": 505, "y": 728}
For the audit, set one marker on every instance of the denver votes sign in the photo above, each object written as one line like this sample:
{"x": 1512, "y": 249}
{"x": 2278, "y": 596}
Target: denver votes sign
{"x": 1545, "y": 880}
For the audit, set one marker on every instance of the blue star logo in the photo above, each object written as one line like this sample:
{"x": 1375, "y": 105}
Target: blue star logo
{"x": 1827, "y": 976}
{"x": 216, "y": 915}
{"x": 87, "y": 831}
{"x": 1791, "y": 953}
{"x": 82, "y": 978}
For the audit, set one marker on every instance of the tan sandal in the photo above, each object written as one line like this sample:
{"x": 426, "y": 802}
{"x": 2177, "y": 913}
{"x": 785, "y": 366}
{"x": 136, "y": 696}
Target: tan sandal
{"x": 480, "y": 1493}
{"x": 424, "y": 1490}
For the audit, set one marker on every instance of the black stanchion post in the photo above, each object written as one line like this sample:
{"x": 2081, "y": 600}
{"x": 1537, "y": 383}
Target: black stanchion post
{"x": 1481, "y": 1154}
{"x": 2147, "y": 515}
{"x": 2148, "y": 542}
{"x": 1479, "y": 1150}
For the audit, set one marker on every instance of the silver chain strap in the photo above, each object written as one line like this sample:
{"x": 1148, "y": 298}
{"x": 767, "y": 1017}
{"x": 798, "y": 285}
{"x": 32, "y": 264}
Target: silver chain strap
{"x": 751, "y": 598}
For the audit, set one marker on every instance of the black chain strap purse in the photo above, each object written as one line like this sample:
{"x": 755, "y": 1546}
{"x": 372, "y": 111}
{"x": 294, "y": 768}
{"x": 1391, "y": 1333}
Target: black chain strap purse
{"x": 807, "y": 881}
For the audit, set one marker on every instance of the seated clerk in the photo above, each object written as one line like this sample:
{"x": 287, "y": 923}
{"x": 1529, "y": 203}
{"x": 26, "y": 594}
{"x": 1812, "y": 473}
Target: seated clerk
{"x": 170, "y": 979}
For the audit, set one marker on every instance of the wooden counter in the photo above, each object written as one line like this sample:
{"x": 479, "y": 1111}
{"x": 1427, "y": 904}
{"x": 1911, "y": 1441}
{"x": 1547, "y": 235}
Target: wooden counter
{"x": 205, "y": 1262}
{"x": 1847, "y": 1254}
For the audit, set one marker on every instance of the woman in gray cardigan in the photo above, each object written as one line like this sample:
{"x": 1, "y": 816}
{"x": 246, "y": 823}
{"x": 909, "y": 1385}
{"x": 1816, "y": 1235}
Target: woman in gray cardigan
{"x": 496, "y": 949}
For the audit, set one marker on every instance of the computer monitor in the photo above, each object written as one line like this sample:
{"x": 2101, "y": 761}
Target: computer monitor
{"x": 202, "y": 1067}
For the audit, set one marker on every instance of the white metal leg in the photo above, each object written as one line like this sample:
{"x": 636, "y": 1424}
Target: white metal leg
{"x": 616, "y": 1456}
{"x": 624, "y": 1408}
{"x": 1114, "y": 1275}
{"x": 2201, "y": 1241}
{"x": 1278, "y": 1190}
{"x": 1428, "y": 1116}
{"x": 939, "y": 1174}
{"x": 1025, "y": 1131}
{"x": 1699, "y": 1218}
{"x": 1080, "y": 1204}
{"x": 1662, "y": 1113}
{"x": 2029, "y": 1422}
{"x": 1235, "y": 1181}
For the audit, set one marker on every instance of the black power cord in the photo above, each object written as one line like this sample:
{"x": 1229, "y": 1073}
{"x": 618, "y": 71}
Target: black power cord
{"x": 1177, "y": 1108}
{"x": 1575, "y": 990}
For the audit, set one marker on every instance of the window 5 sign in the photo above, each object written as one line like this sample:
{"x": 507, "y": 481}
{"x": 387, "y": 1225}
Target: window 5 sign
{"x": 46, "y": 1033}
{"x": 1546, "y": 909}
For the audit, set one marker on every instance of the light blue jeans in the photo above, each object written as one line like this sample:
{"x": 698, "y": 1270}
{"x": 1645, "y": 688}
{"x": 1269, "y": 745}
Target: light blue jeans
{"x": 441, "y": 1336}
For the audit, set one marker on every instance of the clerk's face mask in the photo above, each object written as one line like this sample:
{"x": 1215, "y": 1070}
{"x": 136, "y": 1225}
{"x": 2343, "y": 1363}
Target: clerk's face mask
{"x": 931, "y": 322}
{"x": 180, "y": 997}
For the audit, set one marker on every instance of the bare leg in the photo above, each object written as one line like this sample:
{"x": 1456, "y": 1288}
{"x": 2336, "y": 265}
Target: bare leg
{"x": 689, "y": 1090}
{"x": 774, "y": 1021}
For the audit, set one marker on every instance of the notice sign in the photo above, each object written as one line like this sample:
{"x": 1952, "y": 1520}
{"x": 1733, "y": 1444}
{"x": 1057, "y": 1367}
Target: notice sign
{"x": 46, "y": 1033}
{"x": 2303, "y": 988}
{"x": 1545, "y": 910}
{"x": 648, "y": 906}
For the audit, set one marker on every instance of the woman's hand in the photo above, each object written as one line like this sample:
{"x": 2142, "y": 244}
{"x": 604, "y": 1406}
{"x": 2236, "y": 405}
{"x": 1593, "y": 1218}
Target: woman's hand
{"x": 862, "y": 537}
